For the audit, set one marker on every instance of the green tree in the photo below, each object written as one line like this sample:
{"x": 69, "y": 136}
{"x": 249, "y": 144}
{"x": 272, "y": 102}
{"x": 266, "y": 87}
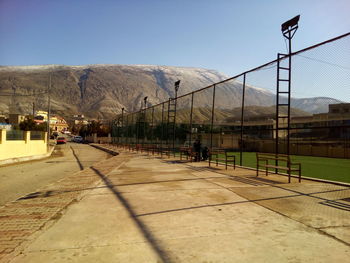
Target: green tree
{"x": 30, "y": 125}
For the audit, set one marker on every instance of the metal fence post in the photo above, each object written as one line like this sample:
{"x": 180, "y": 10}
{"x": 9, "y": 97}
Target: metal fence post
{"x": 127, "y": 130}
{"x": 144, "y": 127}
{"x": 162, "y": 132}
{"x": 242, "y": 122}
{"x": 212, "y": 118}
{"x": 174, "y": 127}
{"x": 191, "y": 114}
{"x": 152, "y": 128}
{"x": 132, "y": 129}
{"x": 122, "y": 128}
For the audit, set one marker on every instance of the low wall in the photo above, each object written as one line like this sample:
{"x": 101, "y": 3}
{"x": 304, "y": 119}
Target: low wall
{"x": 21, "y": 148}
{"x": 95, "y": 139}
{"x": 320, "y": 150}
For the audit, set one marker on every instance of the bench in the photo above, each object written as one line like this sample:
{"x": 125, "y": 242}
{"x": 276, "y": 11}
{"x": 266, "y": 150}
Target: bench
{"x": 280, "y": 162}
{"x": 147, "y": 148}
{"x": 135, "y": 147}
{"x": 188, "y": 152}
{"x": 222, "y": 156}
{"x": 158, "y": 149}
{"x": 165, "y": 151}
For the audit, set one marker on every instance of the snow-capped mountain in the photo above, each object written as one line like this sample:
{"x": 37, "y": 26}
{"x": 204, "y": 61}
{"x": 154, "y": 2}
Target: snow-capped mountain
{"x": 102, "y": 90}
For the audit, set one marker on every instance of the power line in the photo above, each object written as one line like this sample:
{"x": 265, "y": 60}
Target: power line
{"x": 325, "y": 62}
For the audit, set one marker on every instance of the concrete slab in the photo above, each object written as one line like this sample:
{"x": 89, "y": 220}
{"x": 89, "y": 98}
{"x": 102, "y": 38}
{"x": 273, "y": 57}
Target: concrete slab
{"x": 309, "y": 211}
{"x": 91, "y": 230}
{"x": 115, "y": 253}
{"x": 308, "y": 187}
{"x": 336, "y": 194}
{"x": 241, "y": 233}
{"x": 342, "y": 233}
{"x": 151, "y": 210}
{"x": 178, "y": 199}
{"x": 261, "y": 192}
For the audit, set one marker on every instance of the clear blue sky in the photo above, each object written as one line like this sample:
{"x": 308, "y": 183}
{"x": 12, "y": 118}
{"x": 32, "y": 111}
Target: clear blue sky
{"x": 230, "y": 36}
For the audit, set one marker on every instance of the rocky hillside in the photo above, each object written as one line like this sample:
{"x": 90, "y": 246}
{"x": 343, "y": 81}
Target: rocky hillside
{"x": 100, "y": 91}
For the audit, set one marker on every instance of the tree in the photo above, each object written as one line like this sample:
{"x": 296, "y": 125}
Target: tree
{"x": 30, "y": 125}
{"x": 95, "y": 127}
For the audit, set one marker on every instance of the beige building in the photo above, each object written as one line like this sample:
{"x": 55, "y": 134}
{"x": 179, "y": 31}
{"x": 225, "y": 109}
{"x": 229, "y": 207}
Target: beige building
{"x": 59, "y": 124}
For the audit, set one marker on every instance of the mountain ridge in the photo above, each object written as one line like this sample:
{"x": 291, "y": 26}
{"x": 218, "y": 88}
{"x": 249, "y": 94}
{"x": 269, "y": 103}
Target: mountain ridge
{"x": 101, "y": 90}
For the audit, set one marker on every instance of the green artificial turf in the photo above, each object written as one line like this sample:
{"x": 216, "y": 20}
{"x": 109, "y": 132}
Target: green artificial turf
{"x": 318, "y": 167}
{"x": 333, "y": 169}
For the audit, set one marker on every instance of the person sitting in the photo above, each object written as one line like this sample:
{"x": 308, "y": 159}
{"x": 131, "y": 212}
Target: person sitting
{"x": 197, "y": 150}
{"x": 205, "y": 153}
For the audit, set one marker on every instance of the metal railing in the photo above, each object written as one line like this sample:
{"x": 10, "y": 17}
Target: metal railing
{"x": 15, "y": 135}
{"x": 37, "y": 135}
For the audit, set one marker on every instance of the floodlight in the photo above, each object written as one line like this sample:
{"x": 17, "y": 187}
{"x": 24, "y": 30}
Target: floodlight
{"x": 177, "y": 85}
{"x": 290, "y": 24}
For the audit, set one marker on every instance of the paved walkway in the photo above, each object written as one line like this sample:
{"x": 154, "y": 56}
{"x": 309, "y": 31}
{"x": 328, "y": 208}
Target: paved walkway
{"x": 139, "y": 208}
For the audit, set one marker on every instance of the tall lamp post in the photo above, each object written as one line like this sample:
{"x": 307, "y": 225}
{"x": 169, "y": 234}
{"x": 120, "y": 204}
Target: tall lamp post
{"x": 176, "y": 86}
{"x": 144, "y": 119}
{"x": 288, "y": 29}
{"x": 122, "y": 128}
{"x": 48, "y": 110}
{"x": 283, "y": 87}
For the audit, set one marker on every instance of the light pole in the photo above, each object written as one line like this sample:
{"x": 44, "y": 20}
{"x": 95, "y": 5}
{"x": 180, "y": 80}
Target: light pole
{"x": 288, "y": 29}
{"x": 122, "y": 128}
{"x": 144, "y": 120}
{"x": 48, "y": 110}
{"x": 283, "y": 88}
{"x": 176, "y": 86}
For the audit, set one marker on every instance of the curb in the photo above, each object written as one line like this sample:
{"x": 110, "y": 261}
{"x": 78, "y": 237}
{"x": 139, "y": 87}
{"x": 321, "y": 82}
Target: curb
{"x": 104, "y": 149}
{"x": 303, "y": 177}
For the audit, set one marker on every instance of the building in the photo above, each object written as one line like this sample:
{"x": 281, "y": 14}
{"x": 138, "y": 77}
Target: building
{"x": 341, "y": 108}
{"x": 59, "y": 124}
{"x": 332, "y": 127}
{"x": 15, "y": 118}
{"x": 41, "y": 115}
{"x": 79, "y": 119}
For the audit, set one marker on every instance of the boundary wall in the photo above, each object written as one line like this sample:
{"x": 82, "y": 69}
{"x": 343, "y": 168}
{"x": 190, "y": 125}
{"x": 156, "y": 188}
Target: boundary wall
{"x": 10, "y": 149}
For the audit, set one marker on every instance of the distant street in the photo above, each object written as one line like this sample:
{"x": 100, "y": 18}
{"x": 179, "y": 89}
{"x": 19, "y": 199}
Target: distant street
{"x": 21, "y": 179}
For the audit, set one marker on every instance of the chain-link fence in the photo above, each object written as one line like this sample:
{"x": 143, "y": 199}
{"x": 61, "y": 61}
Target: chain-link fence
{"x": 255, "y": 112}
{"x": 37, "y": 135}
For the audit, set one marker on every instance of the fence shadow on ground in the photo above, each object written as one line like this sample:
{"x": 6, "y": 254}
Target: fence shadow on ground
{"x": 143, "y": 228}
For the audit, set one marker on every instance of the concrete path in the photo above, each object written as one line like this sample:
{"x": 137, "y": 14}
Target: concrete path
{"x": 145, "y": 209}
{"x": 22, "y": 178}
